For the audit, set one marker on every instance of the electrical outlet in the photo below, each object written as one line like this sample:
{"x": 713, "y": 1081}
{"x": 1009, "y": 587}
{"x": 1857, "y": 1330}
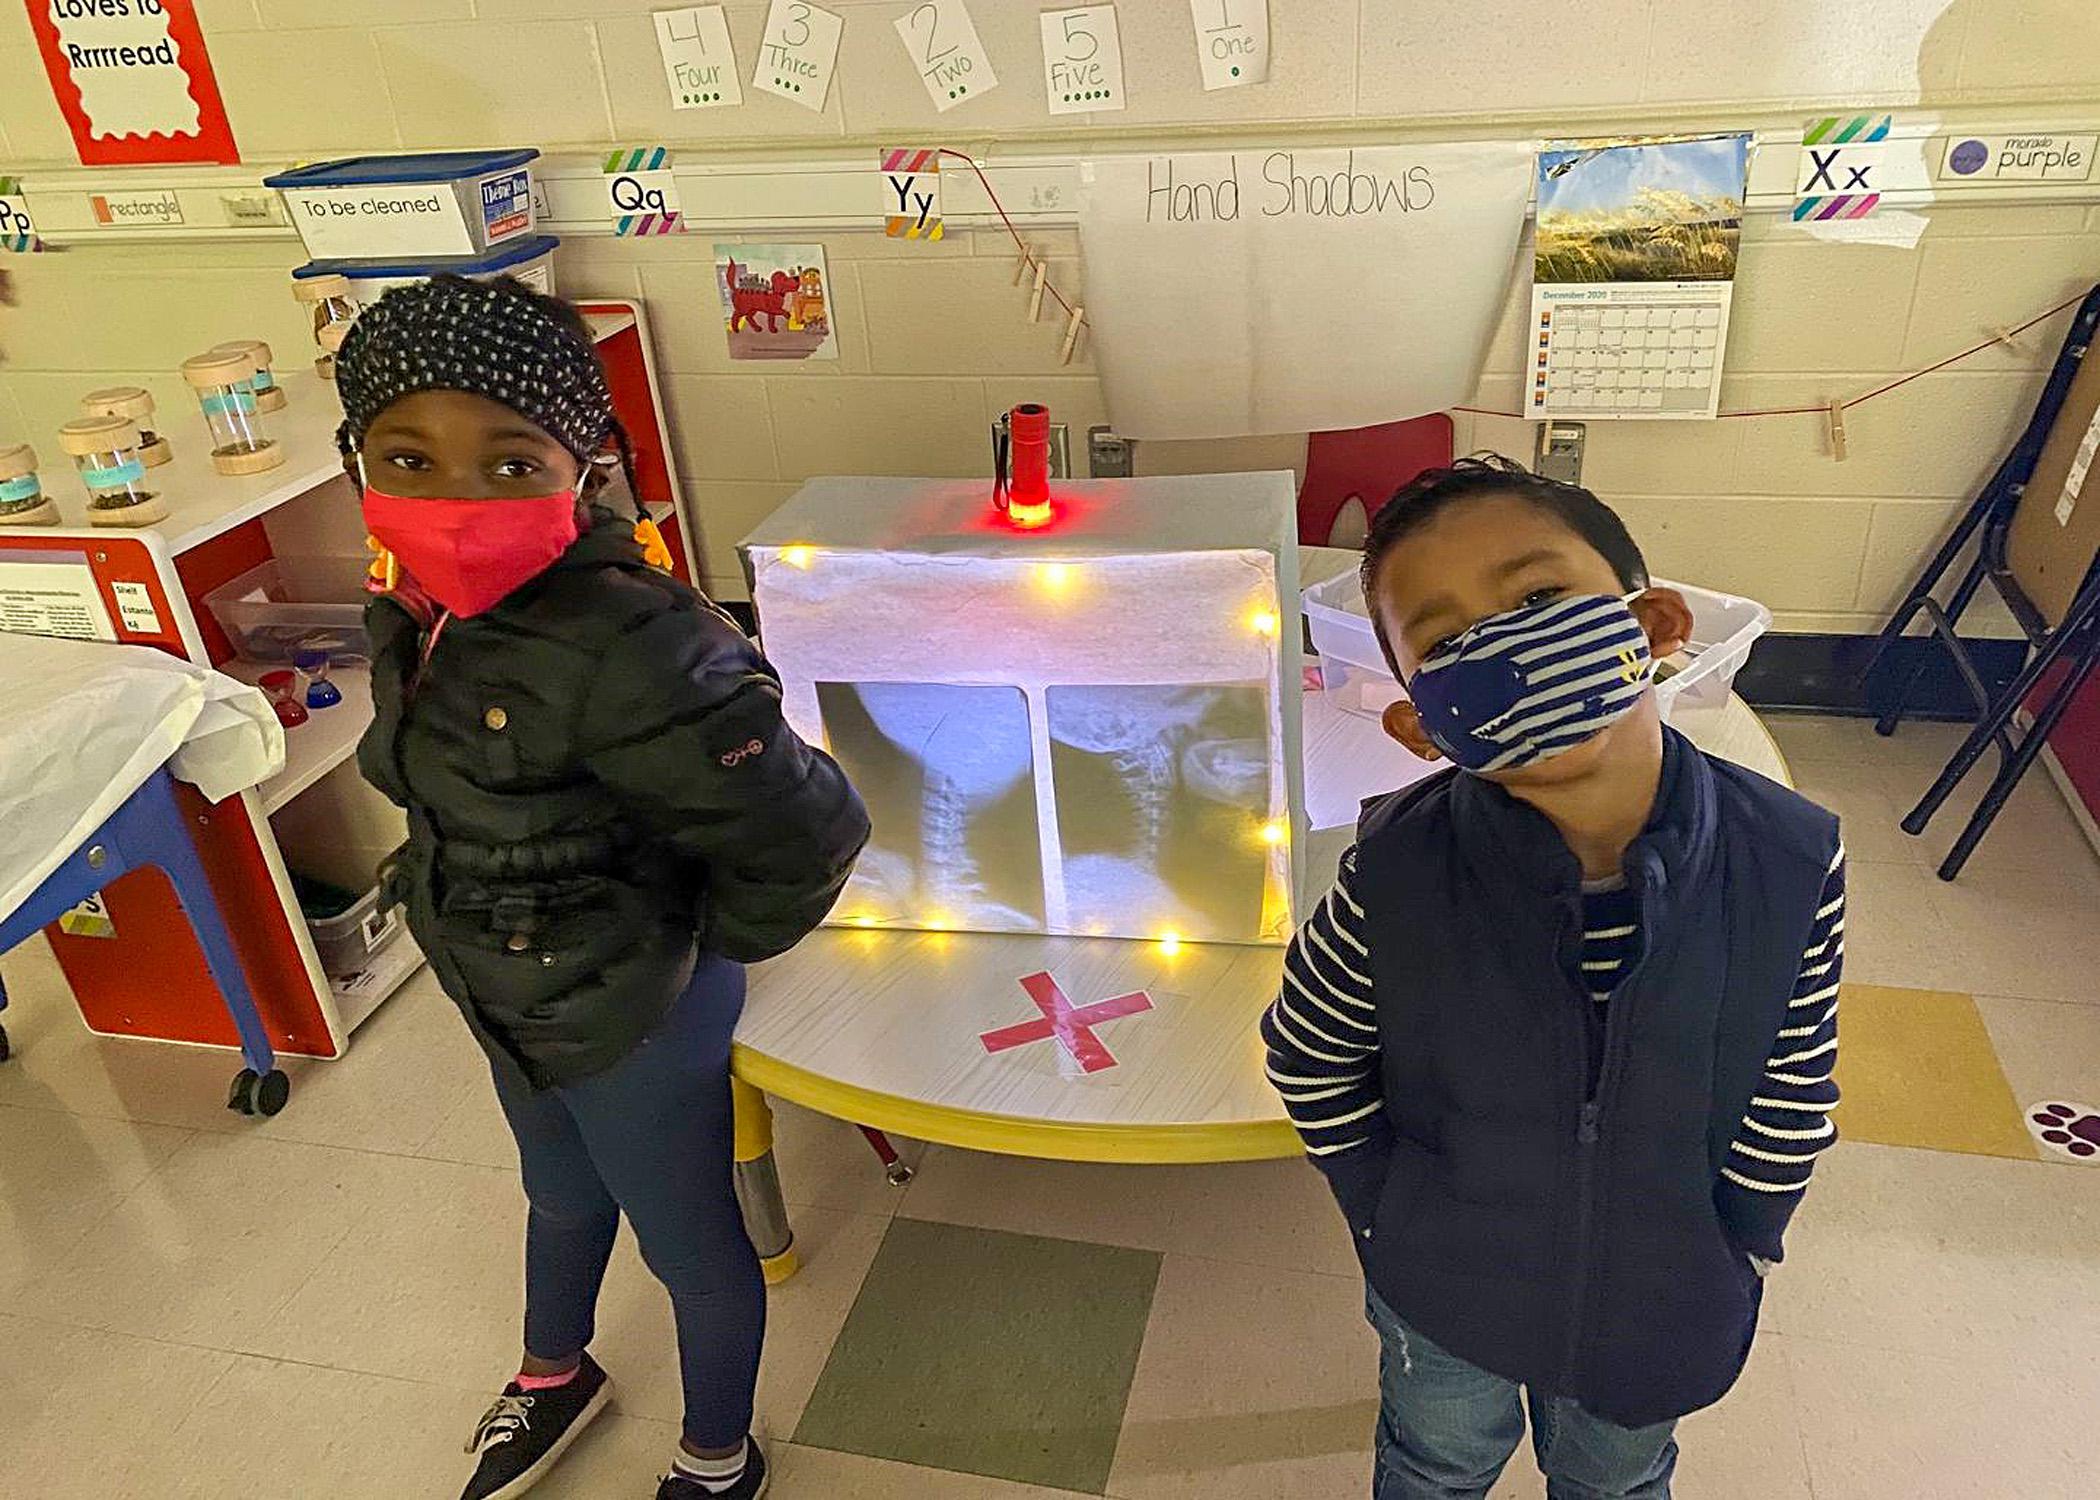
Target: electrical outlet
{"x": 1560, "y": 451}
{"x": 1060, "y": 451}
{"x": 1109, "y": 456}
{"x": 252, "y": 210}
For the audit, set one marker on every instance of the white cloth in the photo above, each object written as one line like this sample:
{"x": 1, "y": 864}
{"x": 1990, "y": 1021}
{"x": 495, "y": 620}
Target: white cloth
{"x": 85, "y": 723}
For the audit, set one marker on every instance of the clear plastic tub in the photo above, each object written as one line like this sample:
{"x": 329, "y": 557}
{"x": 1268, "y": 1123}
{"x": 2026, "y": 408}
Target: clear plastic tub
{"x": 349, "y": 931}
{"x": 1724, "y": 628}
{"x": 135, "y": 402}
{"x": 350, "y": 941}
{"x": 224, "y": 382}
{"x": 529, "y": 260}
{"x": 22, "y": 498}
{"x": 334, "y": 310}
{"x": 106, "y": 452}
{"x": 292, "y": 604}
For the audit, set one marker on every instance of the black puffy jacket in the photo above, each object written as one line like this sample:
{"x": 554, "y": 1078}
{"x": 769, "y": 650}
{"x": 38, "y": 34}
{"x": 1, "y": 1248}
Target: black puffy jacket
{"x": 598, "y": 779}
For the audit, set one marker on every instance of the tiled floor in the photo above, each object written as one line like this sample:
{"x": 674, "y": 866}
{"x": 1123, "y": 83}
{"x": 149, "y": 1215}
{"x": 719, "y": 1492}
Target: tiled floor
{"x": 201, "y": 1307}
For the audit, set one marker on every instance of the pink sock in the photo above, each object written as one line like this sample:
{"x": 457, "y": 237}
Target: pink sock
{"x": 548, "y": 1382}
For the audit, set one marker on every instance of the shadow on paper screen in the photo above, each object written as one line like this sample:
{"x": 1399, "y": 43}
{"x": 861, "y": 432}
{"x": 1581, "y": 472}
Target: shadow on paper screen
{"x": 1161, "y": 796}
{"x": 948, "y": 777}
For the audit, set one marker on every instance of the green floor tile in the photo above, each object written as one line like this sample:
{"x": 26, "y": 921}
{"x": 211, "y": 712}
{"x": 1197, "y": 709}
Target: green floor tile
{"x": 1007, "y": 1355}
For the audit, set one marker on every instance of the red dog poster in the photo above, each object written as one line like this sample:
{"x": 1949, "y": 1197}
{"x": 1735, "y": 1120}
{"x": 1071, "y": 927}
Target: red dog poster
{"x": 133, "y": 81}
{"x": 775, "y": 301}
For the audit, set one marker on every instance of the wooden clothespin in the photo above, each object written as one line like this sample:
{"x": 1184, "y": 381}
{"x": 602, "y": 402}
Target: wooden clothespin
{"x": 1035, "y": 298}
{"x": 1072, "y": 327}
{"x": 1837, "y": 429}
{"x": 1025, "y": 264}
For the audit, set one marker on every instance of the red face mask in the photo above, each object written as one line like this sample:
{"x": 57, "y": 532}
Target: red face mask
{"x": 469, "y": 555}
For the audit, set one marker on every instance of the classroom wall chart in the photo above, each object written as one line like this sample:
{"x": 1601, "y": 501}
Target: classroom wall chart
{"x": 133, "y": 81}
{"x": 1633, "y": 276}
{"x": 1216, "y": 282}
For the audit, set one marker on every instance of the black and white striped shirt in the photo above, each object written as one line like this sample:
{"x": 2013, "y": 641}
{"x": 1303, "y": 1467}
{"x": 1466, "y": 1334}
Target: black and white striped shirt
{"x": 1323, "y": 1043}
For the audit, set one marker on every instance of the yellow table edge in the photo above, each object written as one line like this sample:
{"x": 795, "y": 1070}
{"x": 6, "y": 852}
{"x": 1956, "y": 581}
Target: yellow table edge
{"x": 1250, "y": 1140}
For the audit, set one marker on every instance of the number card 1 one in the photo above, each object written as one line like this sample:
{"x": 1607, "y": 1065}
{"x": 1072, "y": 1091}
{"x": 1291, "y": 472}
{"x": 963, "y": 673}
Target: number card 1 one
{"x": 945, "y": 52}
{"x": 1232, "y": 41}
{"x": 1082, "y": 60}
{"x": 798, "y": 53}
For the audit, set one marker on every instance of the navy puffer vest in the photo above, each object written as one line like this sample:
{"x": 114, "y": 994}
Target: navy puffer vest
{"x": 1561, "y": 1238}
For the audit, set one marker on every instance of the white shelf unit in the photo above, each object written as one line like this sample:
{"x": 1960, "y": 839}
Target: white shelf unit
{"x": 217, "y": 528}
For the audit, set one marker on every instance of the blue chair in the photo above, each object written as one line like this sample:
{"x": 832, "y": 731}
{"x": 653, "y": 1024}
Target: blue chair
{"x": 149, "y": 830}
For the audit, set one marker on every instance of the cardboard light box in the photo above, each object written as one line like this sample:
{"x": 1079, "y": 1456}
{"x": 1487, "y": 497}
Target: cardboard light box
{"x": 1088, "y": 728}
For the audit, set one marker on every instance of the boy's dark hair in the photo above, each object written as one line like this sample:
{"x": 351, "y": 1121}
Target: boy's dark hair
{"x": 1433, "y": 491}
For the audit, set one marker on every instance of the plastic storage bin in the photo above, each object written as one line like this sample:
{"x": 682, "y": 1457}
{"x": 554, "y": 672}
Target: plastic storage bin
{"x": 292, "y": 604}
{"x": 434, "y": 203}
{"x": 530, "y": 260}
{"x": 349, "y": 931}
{"x": 1352, "y": 667}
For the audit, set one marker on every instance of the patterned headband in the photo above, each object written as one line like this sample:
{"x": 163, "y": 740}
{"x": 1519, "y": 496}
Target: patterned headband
{"x": 494, "y": 339}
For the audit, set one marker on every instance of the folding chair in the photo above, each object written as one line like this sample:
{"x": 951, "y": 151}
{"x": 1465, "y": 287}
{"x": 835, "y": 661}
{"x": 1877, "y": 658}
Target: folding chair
{"x": 2036, "y": 525}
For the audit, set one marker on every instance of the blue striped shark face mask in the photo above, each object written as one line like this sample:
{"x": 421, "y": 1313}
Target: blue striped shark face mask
{"x": 1525, "y": 686}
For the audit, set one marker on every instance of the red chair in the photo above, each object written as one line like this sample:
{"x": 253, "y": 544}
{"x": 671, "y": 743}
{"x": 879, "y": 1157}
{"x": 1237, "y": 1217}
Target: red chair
{"x": 1366, "y": 464}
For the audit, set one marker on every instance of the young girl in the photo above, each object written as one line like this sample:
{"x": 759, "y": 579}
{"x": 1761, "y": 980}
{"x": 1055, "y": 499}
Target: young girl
{"x": 607, "y": 817}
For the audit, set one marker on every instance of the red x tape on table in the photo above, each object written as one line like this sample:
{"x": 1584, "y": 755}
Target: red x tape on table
{"x": 1072, "y": 1025}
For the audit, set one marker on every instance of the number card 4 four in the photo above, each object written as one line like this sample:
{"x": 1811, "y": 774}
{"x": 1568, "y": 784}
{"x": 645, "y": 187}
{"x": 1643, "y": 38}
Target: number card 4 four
{"x": 699, "y": 65}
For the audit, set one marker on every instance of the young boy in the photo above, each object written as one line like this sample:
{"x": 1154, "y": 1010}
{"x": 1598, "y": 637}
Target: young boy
{"x": 1561, "y": 1037}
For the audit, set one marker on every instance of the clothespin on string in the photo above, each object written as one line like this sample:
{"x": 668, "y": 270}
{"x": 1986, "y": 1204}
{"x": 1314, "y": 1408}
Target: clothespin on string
{"x": 2006, "y": 337}
{"x": 1072, "y": 327}
{"x": 1025, "y": 264}
{"x": 1837, "y": 429}
{"x": 1035, "y": 298}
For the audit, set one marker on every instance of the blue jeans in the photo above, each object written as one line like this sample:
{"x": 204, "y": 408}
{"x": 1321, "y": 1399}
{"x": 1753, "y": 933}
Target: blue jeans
{"x": 649, "y": 1137}
{"x": 1447, "y": 1428}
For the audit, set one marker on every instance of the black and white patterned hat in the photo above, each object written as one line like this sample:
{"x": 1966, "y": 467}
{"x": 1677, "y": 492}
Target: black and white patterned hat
{"x": 496, "y": 339}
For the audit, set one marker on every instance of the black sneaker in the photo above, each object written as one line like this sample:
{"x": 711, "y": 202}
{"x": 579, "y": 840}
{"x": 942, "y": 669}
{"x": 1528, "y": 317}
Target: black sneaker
{"x": 522, "y": 1435}
{"x": 749, "y": 1486}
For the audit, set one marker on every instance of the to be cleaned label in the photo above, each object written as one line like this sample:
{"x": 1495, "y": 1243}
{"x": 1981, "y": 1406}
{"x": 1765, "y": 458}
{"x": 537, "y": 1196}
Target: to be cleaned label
{"x": 380, "y": 221}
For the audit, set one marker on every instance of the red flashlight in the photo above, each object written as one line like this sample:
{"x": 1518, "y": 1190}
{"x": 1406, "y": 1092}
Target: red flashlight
{"x": 1028, "y": 495}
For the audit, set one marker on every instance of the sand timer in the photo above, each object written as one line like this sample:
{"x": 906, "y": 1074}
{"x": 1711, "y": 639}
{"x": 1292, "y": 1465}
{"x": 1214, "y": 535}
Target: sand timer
{"x": 269, "y": 395}
{"x": 315, "y": 665}
{"x": 221, "y": 380}
{"x": 333, "y": 312}
{"x": 135, "y": 402}
{"x": 281, "y": 687}
{"x": 106, "y": 452}
{"x": 22, "y": 498}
